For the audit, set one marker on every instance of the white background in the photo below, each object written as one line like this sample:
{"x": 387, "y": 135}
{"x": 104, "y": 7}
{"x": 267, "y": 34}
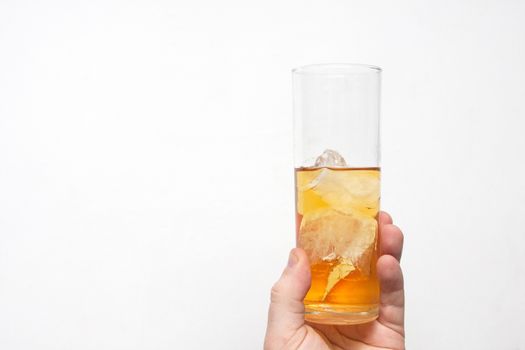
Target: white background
{"x": 146, "y": 184}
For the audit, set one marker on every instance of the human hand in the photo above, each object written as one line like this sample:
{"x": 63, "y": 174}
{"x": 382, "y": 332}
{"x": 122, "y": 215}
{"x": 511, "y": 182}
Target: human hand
{"x": 288, "y": 330}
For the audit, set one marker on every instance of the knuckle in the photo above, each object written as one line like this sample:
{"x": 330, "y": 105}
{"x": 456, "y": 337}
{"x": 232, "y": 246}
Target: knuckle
{"x": 276, "y": 292}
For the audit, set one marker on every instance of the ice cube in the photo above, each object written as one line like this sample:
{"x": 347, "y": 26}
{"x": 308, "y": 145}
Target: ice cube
{"x": 348, "y": 191}
{"x": 330, "y": 158}
{"x": 329, "y": 233}
{"x": 338, "y": 272}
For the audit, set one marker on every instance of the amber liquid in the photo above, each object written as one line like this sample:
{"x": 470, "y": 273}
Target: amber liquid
{"x": 336, "y": 224}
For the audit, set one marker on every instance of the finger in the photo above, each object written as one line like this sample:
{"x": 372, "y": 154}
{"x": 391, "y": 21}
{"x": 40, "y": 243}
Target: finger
{"x": 286, "y": 314}
{"x": 392, "y": 304}
{"x": 384, "y": 218}
{"x": 391, "y": 240}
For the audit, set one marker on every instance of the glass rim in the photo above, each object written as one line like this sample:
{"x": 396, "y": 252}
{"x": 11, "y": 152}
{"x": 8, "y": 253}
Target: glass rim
{"x": 336, "y": 69}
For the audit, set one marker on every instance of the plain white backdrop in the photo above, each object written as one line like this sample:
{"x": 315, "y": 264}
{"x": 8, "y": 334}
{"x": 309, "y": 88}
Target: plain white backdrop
{"x": 146, "y": 180}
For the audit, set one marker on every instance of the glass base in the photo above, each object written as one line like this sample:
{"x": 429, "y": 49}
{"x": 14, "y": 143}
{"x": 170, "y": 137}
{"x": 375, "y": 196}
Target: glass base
{"x": 340, "y": 314}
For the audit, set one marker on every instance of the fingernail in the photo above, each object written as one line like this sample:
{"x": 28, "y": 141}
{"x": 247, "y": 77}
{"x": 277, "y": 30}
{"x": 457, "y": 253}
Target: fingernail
{"x": 292, "y": 259}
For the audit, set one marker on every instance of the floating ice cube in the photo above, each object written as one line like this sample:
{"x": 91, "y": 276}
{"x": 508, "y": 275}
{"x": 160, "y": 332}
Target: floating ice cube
{"x": 327, "y": 233}
{"x": 330, "y": 158}
{"x": 345, "y": 239}
{"x": 348, "y": 191}
{"x": 338, "y": 272}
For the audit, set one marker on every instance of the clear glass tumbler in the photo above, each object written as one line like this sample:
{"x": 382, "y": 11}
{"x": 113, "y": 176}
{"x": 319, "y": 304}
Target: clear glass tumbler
{"x": 337, "y": 186}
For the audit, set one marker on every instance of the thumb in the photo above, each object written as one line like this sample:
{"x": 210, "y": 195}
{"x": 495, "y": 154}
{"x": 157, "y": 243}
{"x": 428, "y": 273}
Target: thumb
{"x": 286, "y": 313}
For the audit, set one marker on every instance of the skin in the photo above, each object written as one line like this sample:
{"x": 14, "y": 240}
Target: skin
{"x": 287, "y": 329}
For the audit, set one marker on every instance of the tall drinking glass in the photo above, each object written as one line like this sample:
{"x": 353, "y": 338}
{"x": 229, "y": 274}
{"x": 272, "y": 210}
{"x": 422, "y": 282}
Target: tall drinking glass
{"x": 337, "y": 178}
